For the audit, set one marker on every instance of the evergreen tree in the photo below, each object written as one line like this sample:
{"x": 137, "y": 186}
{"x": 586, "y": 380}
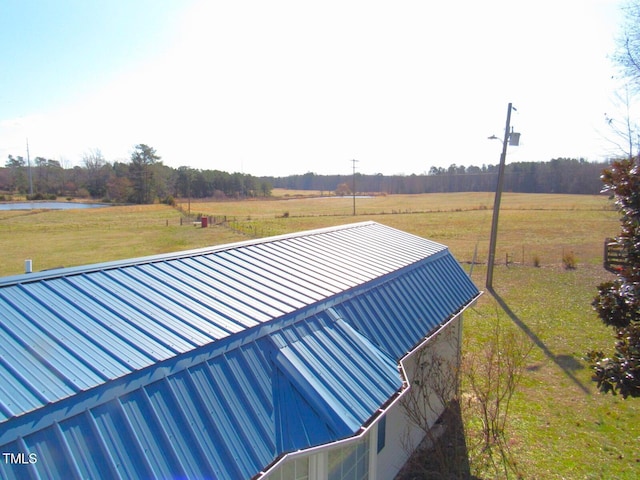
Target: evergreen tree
{"x": 141, "y": 173}
{"x": 618, "y": 301}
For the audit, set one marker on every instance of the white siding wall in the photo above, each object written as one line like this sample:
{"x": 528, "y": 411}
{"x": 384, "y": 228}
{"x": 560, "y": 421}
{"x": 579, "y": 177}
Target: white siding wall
{"x": 402, "y": 435}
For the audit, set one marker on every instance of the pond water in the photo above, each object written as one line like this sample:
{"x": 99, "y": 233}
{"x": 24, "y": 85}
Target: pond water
{"x": 343, "y": 197}
{"x": 48, "y": 205}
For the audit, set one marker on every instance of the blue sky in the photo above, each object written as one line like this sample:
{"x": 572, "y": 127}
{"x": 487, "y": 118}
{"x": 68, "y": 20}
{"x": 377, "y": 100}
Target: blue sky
{"x": 284, "y": 87}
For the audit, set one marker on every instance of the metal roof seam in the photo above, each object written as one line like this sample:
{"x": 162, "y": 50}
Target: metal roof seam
{"x": 374, "y": 417}
{"x": 182, "y": 290}
{"x": 233, "y": 428}
{"x": 88, "y": 302}
{"x": 267, "y": 278}
{"x": 216, "y": 324}
{"x": 72, "y": 334}
{"x": 204, "y": 424}
{"x": 244, "y": 380}
{"x": 174, "y": 422}
{"x": 221, "y": 292}
{"x": 53, "y": 367}
{"x": 348, "y": 265}
{"x": 324, "y": 288}
{"x": 172, "y": 313}
{"x": 274, "y": 275}
{"x": 342, "y": 348}
{"x": 31, "y": 389}
{"x": 147, "y": 324}
{"x": 275, "y": 291}
{"x": 346, "y": 261}
{"x": 210, "y": 297}
{"x": 330, "y": 265}
{"x": 310, "y": 266}
{"x": 263, "y": 303}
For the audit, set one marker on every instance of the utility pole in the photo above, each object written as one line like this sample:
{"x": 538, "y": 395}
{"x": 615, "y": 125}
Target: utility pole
{"x": 29, "y": 166}
{"x": 354, "y": 186}
{"x": 496, "y": 203}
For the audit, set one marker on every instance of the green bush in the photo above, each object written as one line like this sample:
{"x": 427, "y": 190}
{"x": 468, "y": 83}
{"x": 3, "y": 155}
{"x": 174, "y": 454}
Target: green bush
{"x": 569, "y": 261}
{"x": 536, "y": 261}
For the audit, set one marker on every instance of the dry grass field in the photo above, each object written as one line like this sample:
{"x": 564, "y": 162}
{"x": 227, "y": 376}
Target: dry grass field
{"x": 560, "y": 426}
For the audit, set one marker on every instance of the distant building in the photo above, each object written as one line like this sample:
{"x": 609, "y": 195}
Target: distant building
{"x": 279, "y": 358}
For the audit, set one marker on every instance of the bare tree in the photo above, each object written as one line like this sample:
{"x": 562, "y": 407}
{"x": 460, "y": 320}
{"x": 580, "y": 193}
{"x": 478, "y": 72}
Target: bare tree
{"x": 491, "y": 374}
{"x": 627, "y": 54}
{"x": 434, "y": 390}
{"x": 626, "y": 131}
{"x": 97, "y": 176}
{"x": 627, "y": 57}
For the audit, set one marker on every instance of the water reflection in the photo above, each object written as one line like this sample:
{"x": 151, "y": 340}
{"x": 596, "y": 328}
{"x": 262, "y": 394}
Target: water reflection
{"x": 48, "y": 205}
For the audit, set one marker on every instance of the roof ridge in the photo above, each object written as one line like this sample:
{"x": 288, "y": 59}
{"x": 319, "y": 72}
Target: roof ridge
{"x": 96, "y": 267}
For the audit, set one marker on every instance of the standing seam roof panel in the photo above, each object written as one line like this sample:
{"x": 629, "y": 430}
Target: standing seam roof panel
{"x": 223, "y": 292}
{"x": 313, "y": 268}
{"x": 162, "y": 314}
{"x": 173, "y": 421}
{"x": 233, "y": 272}
{"x": 241, "y": 447}
{"x": 272, "y": 276}
{"x": 291, "y": 274}
{"x": 322, "y": 265}
{"x": 180, "y": 291}
{"x": 241, "y": 415}
{"x": 265, "y": 303}
{"x": 303, "y": 270}
{"x": 151, "y": 436}
{"x": 81, "y": 436}
{"x": 348, "y": 260}
{"x": 144, "y": 314}
{"x": 24, "y": 392}
{"x": 93, "y": 303}
{"x": 74, "y": 336}
{"x": 193, "y": 316}
{"x": 216, "y": 451}
{"x": 97, "y": 323}
{"x": 27, "y": 348}
{"x": 240, "y": 315}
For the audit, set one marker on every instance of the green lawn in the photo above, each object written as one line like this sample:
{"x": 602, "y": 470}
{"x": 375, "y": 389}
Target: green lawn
{"x": 561, "y": 427}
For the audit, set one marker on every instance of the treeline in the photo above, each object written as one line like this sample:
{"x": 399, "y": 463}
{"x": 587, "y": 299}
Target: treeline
{"x": 561, "y": 175}
{"x": 144, "y": 179}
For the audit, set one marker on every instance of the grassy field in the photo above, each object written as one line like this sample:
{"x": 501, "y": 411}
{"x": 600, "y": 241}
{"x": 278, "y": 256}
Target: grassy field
{"x": 561, "y": 427}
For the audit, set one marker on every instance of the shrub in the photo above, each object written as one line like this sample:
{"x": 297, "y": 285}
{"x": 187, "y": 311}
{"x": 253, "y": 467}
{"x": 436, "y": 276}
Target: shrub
{"x": 569, "y": 261}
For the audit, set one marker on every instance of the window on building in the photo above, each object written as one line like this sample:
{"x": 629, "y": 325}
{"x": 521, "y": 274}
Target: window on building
{"x": 350, "y": 462}
{"x": 297, "y": 469}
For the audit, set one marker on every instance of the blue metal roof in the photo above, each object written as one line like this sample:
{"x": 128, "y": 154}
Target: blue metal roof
{"x": 214, "y": 362}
